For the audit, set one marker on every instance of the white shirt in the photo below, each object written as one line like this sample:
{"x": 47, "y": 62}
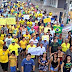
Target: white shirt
{"x": 42, "y": 50}
{"x": 8, "y": 41}
{"x": 52, "y": 32}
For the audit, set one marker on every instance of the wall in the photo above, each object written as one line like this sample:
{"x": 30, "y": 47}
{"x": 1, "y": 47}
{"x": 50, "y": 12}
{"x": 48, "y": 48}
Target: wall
{"x": 61, "y": 3}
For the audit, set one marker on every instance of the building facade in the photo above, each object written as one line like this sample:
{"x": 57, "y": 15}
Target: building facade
{"x": 57, "y": 3}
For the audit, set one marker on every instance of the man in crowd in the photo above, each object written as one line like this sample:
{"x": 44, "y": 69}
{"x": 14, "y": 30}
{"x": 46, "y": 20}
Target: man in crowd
{"x": 28, "y": 64}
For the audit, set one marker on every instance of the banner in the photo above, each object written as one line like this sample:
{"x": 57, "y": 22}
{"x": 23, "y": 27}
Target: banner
{"x": 36, "y": 51}
{"x": 47, "y": 20}
{"x": 2, "y": 21}
{"x": 8, "y": 21}
{"x": 45, "y": 36}
{"x": 67, "y": 28}
{"x": 26, "y": 17}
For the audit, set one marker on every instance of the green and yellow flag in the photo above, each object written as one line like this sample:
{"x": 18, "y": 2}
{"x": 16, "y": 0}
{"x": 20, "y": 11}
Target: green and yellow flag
{"x": 58, "y": 29}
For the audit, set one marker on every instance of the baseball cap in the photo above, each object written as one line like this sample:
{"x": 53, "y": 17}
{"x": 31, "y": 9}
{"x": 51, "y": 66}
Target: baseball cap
{"x": 13, "y": 41}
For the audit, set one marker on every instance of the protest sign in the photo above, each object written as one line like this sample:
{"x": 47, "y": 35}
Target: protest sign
{"x": 67, "y": 28}
{"x": 47, "y": 20}
{"x": 36, "y": 51}
{"x": 26, "y": 17}
{"x": 2, "y": 21}
{"x": 10, "y": 21}
{"x": 45, "y": 36}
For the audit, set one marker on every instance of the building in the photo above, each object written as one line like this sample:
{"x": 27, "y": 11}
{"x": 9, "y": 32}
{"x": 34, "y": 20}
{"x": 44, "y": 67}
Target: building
{"x": 56, "y": 3}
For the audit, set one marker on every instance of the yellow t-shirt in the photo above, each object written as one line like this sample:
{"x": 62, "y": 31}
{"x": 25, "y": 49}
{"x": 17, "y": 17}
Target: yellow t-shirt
{"x": 23, "y": 44}
{"x": 29, "y": 46}
{"x": 27, "y": 37}
{"x": 65, "y": 47}
{"x": 2, "y": 36}
{"x": 1, "y": 44}
{"x": 11, "y": 28}
{"x": 14, "y": 48}
{"x": 40, "y": 28}
{"x": 21, "y": 22}
{"x": 13, "y": 61}
{"x": 29, "y": 23}
{"x": 15, "y": 31}
{"x": 4, "y": 56}
{"x": 12, "y": 10}
{"x": 16, "y": 40}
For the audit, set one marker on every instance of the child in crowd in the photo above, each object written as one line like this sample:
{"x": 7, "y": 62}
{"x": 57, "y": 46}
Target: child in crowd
{"x": 13, "y": 62}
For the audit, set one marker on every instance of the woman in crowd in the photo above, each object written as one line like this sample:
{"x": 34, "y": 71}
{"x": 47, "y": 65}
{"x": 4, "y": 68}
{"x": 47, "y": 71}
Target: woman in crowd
{"x": 66, "y": 65}
{"x": 54, "y": 63}
{"x": 43, "y": 63}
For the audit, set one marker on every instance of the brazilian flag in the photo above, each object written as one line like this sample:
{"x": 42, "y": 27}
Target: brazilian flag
{"x": 58, "y": 29}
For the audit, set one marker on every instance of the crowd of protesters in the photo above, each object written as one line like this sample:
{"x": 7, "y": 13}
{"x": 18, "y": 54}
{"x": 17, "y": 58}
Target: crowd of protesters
{"x": 16, "y": 39}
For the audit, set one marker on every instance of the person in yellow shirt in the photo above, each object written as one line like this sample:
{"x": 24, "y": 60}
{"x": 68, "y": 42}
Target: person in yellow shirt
{"x": 31, "y": 45}
{"x": 13, "y": 62}
{"x": 1, "y": 44}
{"x": 65, "y": 46}
{"x": 2, "y": 35}
{"x": 4, "y": 58}
{"x": 14, "y": 47}
{"x": 41, "y": 27}
{"x": 15, "y": 39}
{"x": 11, "y": 28}
{"x": 29, "y": 22}
{"x": 27, "y": 37}
{"x": 21, "y": 21}
{"x": 23, "y": 44}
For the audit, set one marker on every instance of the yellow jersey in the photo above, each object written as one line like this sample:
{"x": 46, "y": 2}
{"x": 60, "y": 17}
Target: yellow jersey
{"x": 13, "y": 61}
{"x": 65, "y": 47}
{"x": 27, "y": 37}
{"x": 1, "y": 44}
{"x": 14, "y": 48}
{"x": 4, "y": 56}
{"x": 23, "y": 44}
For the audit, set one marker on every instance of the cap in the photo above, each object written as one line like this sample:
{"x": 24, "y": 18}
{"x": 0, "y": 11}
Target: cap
{"x": 30, "y": 41}
{"x": 44, "y": 52}
{"x": 13, "y": 41}
{"x": 45, "y": 38}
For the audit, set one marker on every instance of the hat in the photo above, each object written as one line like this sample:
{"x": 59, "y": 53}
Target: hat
{"x": 44, "y": 52}
{"x": 45, "y": 38}
{"x": 30, "y": 41}
{"x": 13, "y": 41}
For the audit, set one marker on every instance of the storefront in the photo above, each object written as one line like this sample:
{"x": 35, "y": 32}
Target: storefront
{"x": 55, "y": 3}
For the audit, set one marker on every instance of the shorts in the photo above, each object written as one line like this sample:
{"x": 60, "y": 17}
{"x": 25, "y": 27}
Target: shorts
{"x": 23, "y": 50}
{"x": 13, "y": 69}
{"x": 53, "y": 69}
{"x": 60, "y": 62}
{"x": 4, "y": 66}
